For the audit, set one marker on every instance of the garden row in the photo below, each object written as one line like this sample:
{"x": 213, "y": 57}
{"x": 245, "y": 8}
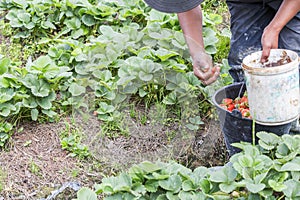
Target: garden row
{"x": 109, "y": 51}
{"x": 270, "y": 170}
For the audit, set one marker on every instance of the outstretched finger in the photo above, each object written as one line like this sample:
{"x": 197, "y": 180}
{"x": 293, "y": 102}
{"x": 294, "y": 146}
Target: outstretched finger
{"x": 265, "y": 55}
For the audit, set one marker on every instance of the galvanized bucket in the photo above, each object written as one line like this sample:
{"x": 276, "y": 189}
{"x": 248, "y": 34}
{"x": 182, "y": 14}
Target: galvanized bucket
{"x": 273, "y": 92}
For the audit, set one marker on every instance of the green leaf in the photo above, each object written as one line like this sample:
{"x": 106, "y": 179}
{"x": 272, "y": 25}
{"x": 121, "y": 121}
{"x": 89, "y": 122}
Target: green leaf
{"x": 176, "y": 168}
{"x": 21, "y": 3}
{"x": 4, "y": 63}
{"x": 76, "y": 89}
{"x": 217, "y": 19}
{"x": 106, "y": 30}
{"x": 227, "y": 174}
{"x": 6, "y": 108}
{"x": 22, "y": 34}
{"x": 45, "y": 102}
{"x": 42, "y": 89}
{"x": 42, "y": 62}
{"x": 267, "y": 141}
{"x": 293, "y": 165}
{"x": 205, "y": 186}
{"x": 112, "y": 53}
{"x": 162, "y": 197}
{"x": 6, "y": 94}
{"x": 246, "y": 161}
{"x": 105, "y": 108}
{"x": 227, "y": 187}
{"x": 34, "y": 114}
{"x": 149, "y": 167}
{"x": 192, "y": 127}
{"x": 199, "y": 174}
{"x": 172, "y": 196}
{"x": 86, "y": 194}
{"x": 49, "y": 113}
{"x": 188, "y": 185}
{"x": 210, "y": 49}
{"x": 88, "y": 20}
{"x": 295, "y": 175}
{"x": 48, "y": 24}
{"x": 24, "y": 17}
{"x": 145, "y": 76}
{"x": 191, "y": 195}
{"x": 170, "y": 99}
{"x": 180, "y": 39}
{"x": 105, "y": 75}
{"x": 78, "y": 33}
{"x": 117, "y": 196}
{"x": 151, "y": 185}
{"x": 30, "y": 102}
{"x": 30, "y": 25}
{"x": 173, "y": 183}
{"x": 196, "y": 120}
{"x": 120, "y": 183}
{"x": 282, "y": 151}
{"x": 276, "y": 186}
{"x": 142, "y": 93}
{"x": 164, "y": 54}
{"x": 73, "y": 23}
{"x": 157, "y": 16}
{"x": 255, "y": 188}
{"x": 292, "y": 189}
{"x": 226, "y": 32}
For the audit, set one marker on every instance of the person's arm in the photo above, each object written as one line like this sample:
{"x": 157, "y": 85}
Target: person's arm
{"x": 287, "y": 10}
{"x": 191, "y": 25}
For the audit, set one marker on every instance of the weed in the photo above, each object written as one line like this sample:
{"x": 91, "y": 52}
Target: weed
{"x": 143, "y": 119}
{"x": 71, "y": 141}
{"x": 34, "y": 168}
{"x": 3, "y": 176}
{"x": 75, "y": 173}
{"x": 132, "y": 112}
{"x": 171, "y": 135}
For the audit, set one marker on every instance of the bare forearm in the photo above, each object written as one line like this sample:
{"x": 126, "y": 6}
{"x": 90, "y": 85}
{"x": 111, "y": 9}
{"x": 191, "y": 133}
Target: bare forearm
{"x": 287, "y": 10}
{"x": 191, "y": 25}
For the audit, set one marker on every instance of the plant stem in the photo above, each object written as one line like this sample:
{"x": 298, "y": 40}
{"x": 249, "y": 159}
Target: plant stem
{"x": 253, "y": 131}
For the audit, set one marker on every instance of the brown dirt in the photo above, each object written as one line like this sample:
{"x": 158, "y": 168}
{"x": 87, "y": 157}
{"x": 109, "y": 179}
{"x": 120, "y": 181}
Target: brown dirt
{"x": 34, "y": 163}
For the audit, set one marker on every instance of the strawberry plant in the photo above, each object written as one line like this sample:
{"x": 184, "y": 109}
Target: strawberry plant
{"x": 269, "y": 170}
{"x": 5, "y": 132}
{"x": 104, "y": 51}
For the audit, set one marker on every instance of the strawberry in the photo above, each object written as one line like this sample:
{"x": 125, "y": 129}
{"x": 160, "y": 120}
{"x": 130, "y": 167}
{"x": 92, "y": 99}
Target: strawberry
{"x": 240, "y": 103}
{"x": 245, "y": 112}
{"x": 227, "y": 101}
{"x": 230, "y": 107}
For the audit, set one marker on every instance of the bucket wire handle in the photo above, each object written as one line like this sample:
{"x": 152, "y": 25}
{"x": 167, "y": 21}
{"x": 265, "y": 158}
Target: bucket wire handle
{"x": 240, "y": 92}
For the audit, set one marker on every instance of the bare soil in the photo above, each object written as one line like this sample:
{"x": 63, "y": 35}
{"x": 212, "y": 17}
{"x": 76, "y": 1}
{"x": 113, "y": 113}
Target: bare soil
{"x": 34, "y": 165}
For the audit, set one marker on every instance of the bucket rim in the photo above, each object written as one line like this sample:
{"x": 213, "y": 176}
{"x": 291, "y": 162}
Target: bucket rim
{"x": 271, "y": 70}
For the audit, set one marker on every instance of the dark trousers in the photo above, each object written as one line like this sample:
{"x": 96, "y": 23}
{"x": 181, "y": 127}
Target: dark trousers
{"x": 248, "y": 21}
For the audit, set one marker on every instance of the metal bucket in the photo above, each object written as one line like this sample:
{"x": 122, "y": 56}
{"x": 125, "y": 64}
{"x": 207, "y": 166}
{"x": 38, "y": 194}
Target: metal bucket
{"x": 273, "y": 92}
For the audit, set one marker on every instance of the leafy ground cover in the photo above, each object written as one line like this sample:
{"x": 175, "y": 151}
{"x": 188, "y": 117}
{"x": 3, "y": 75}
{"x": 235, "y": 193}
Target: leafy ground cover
{"x": 89, "y": 88}
{"x": 269, "y": 170}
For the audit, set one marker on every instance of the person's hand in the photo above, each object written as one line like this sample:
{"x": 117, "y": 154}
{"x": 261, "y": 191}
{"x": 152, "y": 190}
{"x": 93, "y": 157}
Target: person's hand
{"x": 269, "y": 40}
{"x": 203, "y": 68}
